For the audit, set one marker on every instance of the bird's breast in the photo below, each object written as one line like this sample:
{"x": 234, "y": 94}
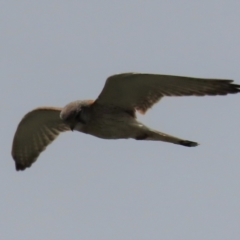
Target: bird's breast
{"x": 108, "y": 125}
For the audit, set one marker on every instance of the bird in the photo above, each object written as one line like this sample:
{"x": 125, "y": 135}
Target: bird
{"x": 113, "y": 114}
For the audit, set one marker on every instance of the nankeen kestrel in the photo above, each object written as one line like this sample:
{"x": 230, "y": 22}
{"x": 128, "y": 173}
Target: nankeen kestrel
{"x": 112, "y": 115}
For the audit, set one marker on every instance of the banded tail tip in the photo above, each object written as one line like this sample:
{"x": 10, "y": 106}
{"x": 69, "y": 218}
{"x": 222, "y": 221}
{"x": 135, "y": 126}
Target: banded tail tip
{"x": 187, "y": 143}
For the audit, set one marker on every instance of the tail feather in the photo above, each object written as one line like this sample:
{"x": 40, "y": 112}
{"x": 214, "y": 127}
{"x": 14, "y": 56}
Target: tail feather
{"x": 187, "y": 143}
{"x": 154, "y": 135}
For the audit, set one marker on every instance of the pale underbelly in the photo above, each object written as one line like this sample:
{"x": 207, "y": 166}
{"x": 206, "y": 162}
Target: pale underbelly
{"x": 112, "y": 129}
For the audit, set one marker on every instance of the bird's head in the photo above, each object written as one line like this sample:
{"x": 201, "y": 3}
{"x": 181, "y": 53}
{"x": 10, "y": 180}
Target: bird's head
{"x": 74, "y": 113}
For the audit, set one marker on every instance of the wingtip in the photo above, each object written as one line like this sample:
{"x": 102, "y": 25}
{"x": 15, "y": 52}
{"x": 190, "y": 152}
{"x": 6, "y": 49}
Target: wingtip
{"x": 20, "y": 167}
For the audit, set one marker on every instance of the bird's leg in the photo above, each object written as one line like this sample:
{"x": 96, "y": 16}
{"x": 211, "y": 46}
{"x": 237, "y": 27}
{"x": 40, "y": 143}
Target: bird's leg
{"x": 150, "y": 134}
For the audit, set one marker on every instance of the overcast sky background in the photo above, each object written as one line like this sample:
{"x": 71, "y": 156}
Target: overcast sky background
{"x": 82, "y": 187}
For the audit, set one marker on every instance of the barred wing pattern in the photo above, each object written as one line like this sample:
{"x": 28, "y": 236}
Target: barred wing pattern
{"x": 36, "y": 130}
{"x": 140, "y": 91}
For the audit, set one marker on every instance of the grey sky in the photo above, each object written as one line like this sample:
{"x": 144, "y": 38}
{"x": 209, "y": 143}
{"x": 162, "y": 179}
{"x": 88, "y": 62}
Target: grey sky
{"x": 81, "y": 187}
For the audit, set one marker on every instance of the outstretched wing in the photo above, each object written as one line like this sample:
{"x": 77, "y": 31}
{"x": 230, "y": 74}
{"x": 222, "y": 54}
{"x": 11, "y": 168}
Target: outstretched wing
{"x": 36, "y": 130}
{"x": 140, "y": 91}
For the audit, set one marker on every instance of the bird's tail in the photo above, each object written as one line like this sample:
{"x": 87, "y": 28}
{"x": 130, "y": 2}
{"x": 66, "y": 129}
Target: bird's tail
{"x": 154, "y": 135}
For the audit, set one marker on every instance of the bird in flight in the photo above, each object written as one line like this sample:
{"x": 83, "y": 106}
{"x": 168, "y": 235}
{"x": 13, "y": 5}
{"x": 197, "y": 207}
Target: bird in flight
{"x": 112, "y": 114}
